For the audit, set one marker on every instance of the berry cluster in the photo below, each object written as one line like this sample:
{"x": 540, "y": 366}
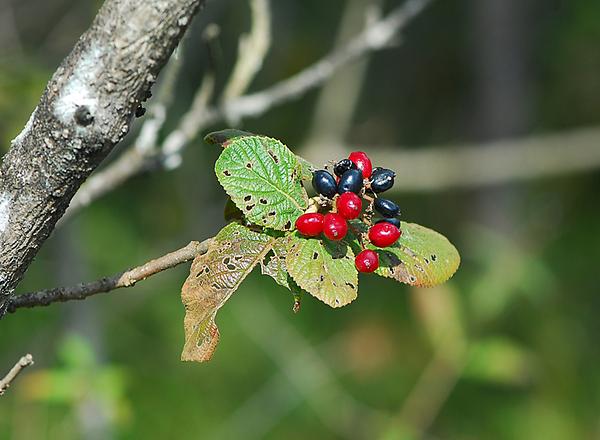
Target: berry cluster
{"x": 340, "y": 199}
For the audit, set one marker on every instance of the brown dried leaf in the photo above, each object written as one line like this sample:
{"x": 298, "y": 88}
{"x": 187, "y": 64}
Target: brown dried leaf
{"x": 213, "y": 277}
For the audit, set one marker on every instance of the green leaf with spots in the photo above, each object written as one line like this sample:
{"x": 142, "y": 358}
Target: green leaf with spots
{"x": 225, "y": 137}
{"x": 324, "y": 269}
{"x": 262, "y": 177}
{"x": 306, "y": 168}
{"x": 421, "y": 257}
{"x": 274, "y": 264}
{"x": 213, "y": 278}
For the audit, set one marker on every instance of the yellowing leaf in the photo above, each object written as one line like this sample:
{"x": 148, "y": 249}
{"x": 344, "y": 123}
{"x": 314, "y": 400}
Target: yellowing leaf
{"x": 421, "y": 257}
{"x": 213, "y": 278}
{"x": 323, "y": 268}
{"x": 275, "y": 266}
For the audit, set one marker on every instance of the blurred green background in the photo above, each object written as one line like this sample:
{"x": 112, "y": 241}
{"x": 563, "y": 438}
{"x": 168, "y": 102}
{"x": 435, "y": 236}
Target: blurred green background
{"x": 508, "y": 349}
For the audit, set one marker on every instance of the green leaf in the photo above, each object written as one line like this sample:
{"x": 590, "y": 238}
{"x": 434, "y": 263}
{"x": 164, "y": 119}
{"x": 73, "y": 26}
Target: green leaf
{"x": 224, "y": 137}
{"x": 324, "y": 269}
{"x": 213, "y": 278}
{"x": 261, "y": 176}
{"x": 306, "y": 168}
{"x": 421, "y": 257}
{"x": 275, "y": 266}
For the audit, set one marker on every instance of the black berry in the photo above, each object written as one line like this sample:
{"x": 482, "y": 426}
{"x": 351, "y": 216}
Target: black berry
{"x": 393, "y": 221}
{"x": 386, "y": 207}
{"x": 382, "y": 179}
{"x": 324, "y": 183}
{"x": 342, "y": 166}
{"x": 351, "y": 180}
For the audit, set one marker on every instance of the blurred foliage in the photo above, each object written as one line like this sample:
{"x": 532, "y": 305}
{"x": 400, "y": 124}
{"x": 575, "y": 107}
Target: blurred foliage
{"x": 507, "y": 350}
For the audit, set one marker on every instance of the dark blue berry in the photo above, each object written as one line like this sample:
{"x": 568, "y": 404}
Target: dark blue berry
{"x": 324, "y": 183}
{"x": 351, "y": 180}
{"x": 393, "y": 221}
{"x": 386, "y": 207}
{"x": 382, "y": 179}
{"x": 342, "y": 166}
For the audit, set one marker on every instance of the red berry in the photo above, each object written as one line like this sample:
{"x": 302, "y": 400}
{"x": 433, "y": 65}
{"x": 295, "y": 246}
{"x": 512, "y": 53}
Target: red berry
{"x": 349, "y": 205}
{"x": 384, "y": 234}
{"x": 310, "y": 224}
{"x": 362, "y": 162}
{"x": 334, "y": 226}
{"x": 367, "y": 261}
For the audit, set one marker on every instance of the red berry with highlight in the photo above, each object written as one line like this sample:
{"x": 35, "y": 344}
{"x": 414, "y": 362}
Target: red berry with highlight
{"x": 334, "y": 226}
{"x": 384, "y": 234}
{"x": 362, "y": 162}
{"x": 349, "y": 205}
{"x": 310, "y": 224}
{"x": 367, "y": 261}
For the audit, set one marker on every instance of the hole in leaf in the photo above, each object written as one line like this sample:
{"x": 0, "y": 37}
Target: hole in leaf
{"x": 288, "y": 225}
{"x": 352, "y": 286}
{"x": 337, "y": 301}
{"x": 263, "y": 201}
{"x": 247, "y": 198}
{"x": 410, "y": 252}
{"x": 412, "y": 279}
{"x": 231, "y": 266}
{"x": 226, "y": 260}
{"x": 249, "y": 165}
{"x": 433, "y": 257}
{"x": 315, "y": 255}
{"x": 227, "y": 173}
{"x": 271, "y": 213}
{"x": 273, "y": 156}
{"x": 249, "y": 207}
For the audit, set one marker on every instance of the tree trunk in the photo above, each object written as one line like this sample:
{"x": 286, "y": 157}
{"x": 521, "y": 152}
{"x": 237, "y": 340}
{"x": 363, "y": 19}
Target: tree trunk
{"x": 86, "y": 109}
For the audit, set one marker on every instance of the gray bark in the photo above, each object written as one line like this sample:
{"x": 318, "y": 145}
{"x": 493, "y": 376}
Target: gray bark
{"x": 87, "y": 108}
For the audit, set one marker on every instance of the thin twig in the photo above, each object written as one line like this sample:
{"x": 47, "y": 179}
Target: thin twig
{"x": 377, "y": 36}
{"x": 252, "y": 50}
{"x": 427, "y": 397}
{"x": 22, "y": 363}
{"x": 126, "y": 278}
{"x": 492, "y": 163}
{"x": 186, "y": 130}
